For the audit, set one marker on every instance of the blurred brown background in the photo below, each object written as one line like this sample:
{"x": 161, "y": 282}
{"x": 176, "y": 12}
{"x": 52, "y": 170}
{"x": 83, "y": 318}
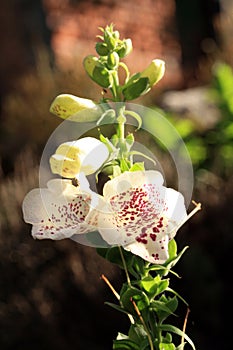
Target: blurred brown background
{"x": 51, "y": 295}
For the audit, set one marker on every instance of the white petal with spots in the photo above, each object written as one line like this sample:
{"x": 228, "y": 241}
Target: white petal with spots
{"x": 141, "y": 214}
{"x": 60, "y": 210}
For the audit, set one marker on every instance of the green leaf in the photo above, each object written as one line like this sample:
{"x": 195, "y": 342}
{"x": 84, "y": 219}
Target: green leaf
{"x": 125, "y": 344}
{"x": 165, "y": 307}
{"x": 102, "y": 76}
{"x": 137, "y": 295}
{"x": 162, "y": 310}
{"x": 130, "y": 139}
{"x": 178, "y": 295}
{"x": 117, "y": 307}
{"x": 137, "y": 333}
{"x": 173, "y": 260}
{"x": 154, "y": 286}
{"x": 136, "y": 88}
{"x": 175, "y": 330}
{"x": 165, "y": 346}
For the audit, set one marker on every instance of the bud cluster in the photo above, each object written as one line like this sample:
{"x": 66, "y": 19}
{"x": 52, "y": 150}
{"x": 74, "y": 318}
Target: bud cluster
{"x": 103, "y": 70}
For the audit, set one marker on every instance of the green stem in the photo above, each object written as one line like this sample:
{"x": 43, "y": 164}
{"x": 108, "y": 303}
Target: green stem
{"x": 125, "y": 266}
{"x": 144, "y": 325}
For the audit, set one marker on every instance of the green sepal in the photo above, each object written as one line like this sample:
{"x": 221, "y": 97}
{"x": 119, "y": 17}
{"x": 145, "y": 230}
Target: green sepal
{"x": 137, "y": 167}
{"x": 135, "y": 116}
{"x": 101, "y": 49}
{"x": 136, "y": 88}
{"x": 97, "y": 71}
{"x": 108, "y": 117}
{"x": 125, "y": 48}
{"x": 102, "y": 76}
{"x": 124, "y": 165}
{"x": 172, "y": 261}
{"x": 168, "y": 338}
{"x": 137, "y": 153}
{"x": 112, "y": 60}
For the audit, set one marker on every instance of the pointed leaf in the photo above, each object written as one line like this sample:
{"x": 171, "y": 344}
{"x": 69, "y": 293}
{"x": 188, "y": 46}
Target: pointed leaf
{"x": 135, "y": 88}
{"x": 165, "y": 346}
{"x": 125, "y": 344}
{"x": 175, "y": 330}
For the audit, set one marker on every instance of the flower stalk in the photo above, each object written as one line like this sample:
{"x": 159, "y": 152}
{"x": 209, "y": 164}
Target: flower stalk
{"x": 135, "y": 214}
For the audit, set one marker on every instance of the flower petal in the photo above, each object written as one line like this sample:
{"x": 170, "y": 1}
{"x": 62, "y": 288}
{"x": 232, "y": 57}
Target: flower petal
{"x": 141, "y": 214}
{"x": 79, "y": 156}
{"x": 62, "y": 214}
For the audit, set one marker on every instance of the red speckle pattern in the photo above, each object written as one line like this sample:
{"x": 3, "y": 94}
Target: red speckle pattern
{"x": 66, "y": 217}
{"x": 139, "y": 214}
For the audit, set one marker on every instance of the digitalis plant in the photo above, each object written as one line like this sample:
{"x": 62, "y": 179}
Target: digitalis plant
{"x": 135, "y": 215}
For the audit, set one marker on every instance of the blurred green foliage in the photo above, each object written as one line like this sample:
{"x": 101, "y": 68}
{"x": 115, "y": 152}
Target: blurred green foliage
{"x": 210, "y": 149}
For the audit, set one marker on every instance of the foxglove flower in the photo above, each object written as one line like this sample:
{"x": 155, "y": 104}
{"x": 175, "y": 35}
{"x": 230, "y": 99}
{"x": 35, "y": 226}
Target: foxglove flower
{"x": 154, "y": 72}
{"x": 84, "y": 155}
{"x": 61, "y": 210}
{"x": 75, "y": 108}
{"x": 141, "y": 214}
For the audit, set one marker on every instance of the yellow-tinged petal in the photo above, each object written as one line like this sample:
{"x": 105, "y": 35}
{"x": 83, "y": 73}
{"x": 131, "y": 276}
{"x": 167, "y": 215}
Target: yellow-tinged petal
{"x": 154, "y": 72}
{"x": 84, "y": 155}
{"x": 64, "y": 166}
{"x": 75, "y": 108}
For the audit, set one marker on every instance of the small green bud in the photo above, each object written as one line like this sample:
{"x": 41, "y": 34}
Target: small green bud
{"x": 116, "y": 34}
{"x": 102, "y": 76}
{"x": 90, "y": 63}
{"x": 101, "y": 49}
{"x": 113, "y": 60}
{"x": 109, "y": 40}
{"x": 125, "y": 48}
{"x": 97, "y": 71}
{"x": 154, "y": 72}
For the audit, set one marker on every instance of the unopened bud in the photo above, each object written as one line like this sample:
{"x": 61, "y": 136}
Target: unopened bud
{"x": 84, "y": 155}
{"x": 154, "y": 72}
{"x": 113, "y": 60}
{"x": 75, "y": 108}
{"x": 126, "y": 48}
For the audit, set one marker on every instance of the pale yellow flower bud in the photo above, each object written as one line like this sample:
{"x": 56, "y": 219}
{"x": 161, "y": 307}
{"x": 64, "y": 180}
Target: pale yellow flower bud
{"x": 154, "y": 72}
{"x": 75, "y": 108}
{"x": 84, "y": 155}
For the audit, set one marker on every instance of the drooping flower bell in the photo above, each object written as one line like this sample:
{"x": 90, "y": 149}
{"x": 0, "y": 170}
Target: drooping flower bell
{"x": 61, "y": 210}
{"x": 84, "y": 155}
{"x": 74, "y": 108}
{"x": 154, "y": 72}
{"x": 141, "y": 214}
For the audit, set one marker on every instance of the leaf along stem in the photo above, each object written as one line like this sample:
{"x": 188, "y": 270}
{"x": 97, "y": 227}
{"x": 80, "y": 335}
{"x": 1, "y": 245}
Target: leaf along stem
{"x": 143, "y": 323}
